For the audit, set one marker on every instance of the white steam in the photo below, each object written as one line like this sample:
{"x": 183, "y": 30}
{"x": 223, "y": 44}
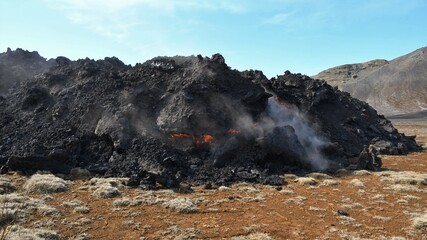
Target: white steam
{"x": 280, "y": 115}
{"x": 312, "y": 143}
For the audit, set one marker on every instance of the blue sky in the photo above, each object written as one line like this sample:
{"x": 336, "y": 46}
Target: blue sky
{"x": 304, "y": 36}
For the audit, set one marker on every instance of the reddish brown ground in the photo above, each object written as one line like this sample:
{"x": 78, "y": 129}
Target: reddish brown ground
{"x": 227, "y": 214}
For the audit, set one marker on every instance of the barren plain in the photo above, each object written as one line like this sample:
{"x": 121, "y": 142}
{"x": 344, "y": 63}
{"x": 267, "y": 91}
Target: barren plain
{"x": 351, "y": 204}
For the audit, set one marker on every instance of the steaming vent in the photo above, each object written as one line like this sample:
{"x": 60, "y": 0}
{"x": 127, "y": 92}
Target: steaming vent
{"x": 309, "y": 145}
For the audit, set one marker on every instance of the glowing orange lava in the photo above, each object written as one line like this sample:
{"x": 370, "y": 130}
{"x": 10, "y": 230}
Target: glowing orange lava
{"x": 207, "y": 138}
{"x": 233, "y": 131}
{"x": 180, "y": 135}
{"x": 203, "y": 139}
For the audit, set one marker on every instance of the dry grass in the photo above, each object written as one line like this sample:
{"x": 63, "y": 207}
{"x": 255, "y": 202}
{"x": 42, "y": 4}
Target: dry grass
{"x": 7, "y": 219}
{"x": 287, "y": 192}
{"x": 181, "y": 205}
{"x": 317, "y": 209}
{"x": 299, "y": 200}
{"x": 290, "y": 176}
{"x": 6, "y": 186}
{"x": 24, "y": 206}
{"x": 330, "y": 182}
{"x": 105, "y": 191}
{"x": 178, "y": 233}
{"x": 224, "y": 189}
{"x": 72, "y": 203}
{"x": 154, "y": 197}
{"x": 403, "y": 188}
{"x": 411, "y": 198}
{"x": 318, "y": 175}
{"x": 115, "y": 182}
{"x": 20, "y": 233}
{"x": 404, "y": 177}
{"x": 46, "y": 183}
{"x": 361, "y": 173}
{"x": 378, "y": 197}
{"x": 245, "y": 188}
{"x": 82, "y": 209}
{"x": 124, "y": 202}
{"x": 257, "y": 198}
{"x": 254, "y": 236}
{"x": 352, "y": 206}
{"x": 306, "y": 181}
{"x": 107, "y": 187}
{"x": 251, "y": 229}
{"x": 48, "y": 211}
{"x": 76, "y": 223}
{"x": 420, "y": 222}
{"x": 381, "y": 218}
{"x": 346, "y": 220}
{"x": 357, "y": 183}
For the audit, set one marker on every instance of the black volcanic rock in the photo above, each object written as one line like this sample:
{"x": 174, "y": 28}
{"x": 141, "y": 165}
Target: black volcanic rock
{"x": 174, "y": 119}
{"x": 19, "y": 65}
{"x": 340, "y": 118}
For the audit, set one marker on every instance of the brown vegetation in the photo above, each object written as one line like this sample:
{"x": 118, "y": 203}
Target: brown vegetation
{"x": 390, "y": 204}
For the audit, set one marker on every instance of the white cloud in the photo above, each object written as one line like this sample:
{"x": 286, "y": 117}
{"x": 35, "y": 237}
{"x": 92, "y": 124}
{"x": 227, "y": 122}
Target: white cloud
{"x": 112, "y": 6}
{"x": 122, "y": 20}
{"x": 277, "y": 19}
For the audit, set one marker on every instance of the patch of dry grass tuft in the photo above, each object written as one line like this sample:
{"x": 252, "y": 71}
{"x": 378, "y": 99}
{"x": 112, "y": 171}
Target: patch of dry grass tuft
{"x": 254, "y": 236}
{"x": 299, "y": 200}
{"x": 381, "y": 218}
{"x": 115, "y": 182}
{"x": 361, "y": 173}
{"x": 403, "y": 188}
{"x": 287, "y": 192}
{"x": 224, "y": 189}
{"x": 105, "y": 191}
{"x": 178, "y": 233}
{"x": 357, "y": 183}
{"x": 123, "y": 202}
{"x": 82, "y": 209}
{"x": 420, "y": 222}
{"x": 6, "y": 186}
{"x": 346, "y": 220}
{"x": 318, "y": 175}
{"x": 330, "y": 182}
{"x": 411, "y": 198}
{"x": 352, "y": 206}
{"x": 378, "y": 197}
{"x": 20, "y": 233}
{"x": 72, "y": 203}
{"x": 306, "y": 181}
{"x": 46, "y": 183}
{"x": 181, "y": 205}
{"x": 316, "y": 209}
{"x": 404, "y": 177}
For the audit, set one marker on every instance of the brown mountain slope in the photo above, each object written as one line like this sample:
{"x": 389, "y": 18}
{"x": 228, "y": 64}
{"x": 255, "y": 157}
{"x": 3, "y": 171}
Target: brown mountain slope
{"x": 398, "y": 87}
{"x": 348, "y": 73}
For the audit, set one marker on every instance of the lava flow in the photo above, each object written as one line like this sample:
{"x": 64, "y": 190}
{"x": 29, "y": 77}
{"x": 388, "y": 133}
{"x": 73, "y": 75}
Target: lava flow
{"x": 203, "y": 139}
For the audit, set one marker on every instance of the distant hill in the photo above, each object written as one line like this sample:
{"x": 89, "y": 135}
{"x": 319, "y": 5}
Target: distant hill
{"x": 347, "y": 73}
{"x": 392, "y": 87}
